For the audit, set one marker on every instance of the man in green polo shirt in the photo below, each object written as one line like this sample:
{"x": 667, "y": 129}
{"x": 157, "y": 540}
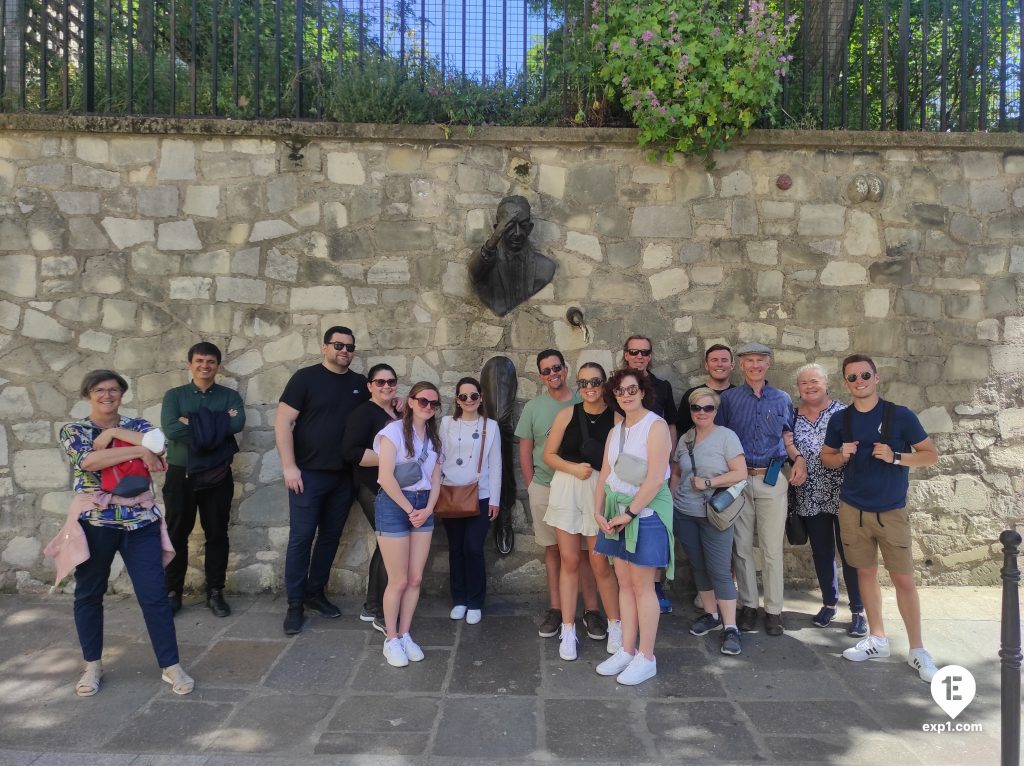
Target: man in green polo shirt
{"x": 199, "y": 451}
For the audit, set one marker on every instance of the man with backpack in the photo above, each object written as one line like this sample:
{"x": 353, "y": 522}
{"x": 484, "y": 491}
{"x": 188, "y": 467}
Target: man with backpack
{"x": 875, "y": 442}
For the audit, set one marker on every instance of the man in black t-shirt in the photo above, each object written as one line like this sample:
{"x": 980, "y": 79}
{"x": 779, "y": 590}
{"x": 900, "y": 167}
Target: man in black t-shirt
{"x": 308, "y": 428}
{"x": 718, "y": 362}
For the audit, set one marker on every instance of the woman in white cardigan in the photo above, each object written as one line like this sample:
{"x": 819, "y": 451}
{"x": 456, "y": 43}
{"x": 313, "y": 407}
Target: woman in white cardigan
{"x": 463, "y": 436}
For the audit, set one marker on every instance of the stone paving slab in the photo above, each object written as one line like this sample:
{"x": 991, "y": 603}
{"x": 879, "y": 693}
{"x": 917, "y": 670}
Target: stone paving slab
{"x": 494, "y": 693}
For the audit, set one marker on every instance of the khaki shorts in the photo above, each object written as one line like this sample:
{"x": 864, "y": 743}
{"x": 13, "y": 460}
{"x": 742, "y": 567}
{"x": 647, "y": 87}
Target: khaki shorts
{"x": 543, "y": 532}
{"x": 865, "y": 532}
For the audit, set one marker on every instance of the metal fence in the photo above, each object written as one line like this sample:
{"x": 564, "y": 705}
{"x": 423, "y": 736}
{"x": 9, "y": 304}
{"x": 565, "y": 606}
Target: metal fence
{"x": 861, "y": 64}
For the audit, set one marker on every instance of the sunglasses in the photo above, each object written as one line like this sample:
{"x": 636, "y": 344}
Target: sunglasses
{"x": 592, "y": 383}
{"x": 552, "y": 369}
{"x": 638, "y": 351}
{"x": 338, "y": 346}
{"x": 433, "y": 404}
{"x": 384, "y": 382}
{"x": 852, "y": 377}
{"x": 709, "y": 408}
{"x": 632, "y": 390}
{"x": 468, "y": 397}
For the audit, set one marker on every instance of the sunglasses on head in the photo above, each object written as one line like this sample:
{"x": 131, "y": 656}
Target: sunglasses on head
{"x": 638, "y": 351}
{"x": 384, "y": 382}
{"x": 338, "y": 346}
{"x": 423, "y": 401}
{"x": 852, "y": 377}
{"x": 591, "y": 383}
{"x": 552, "y": 369}
{"x": 468, "y": 397}
{"x": 632, "y": 389}
{"x": 703, "y": 408}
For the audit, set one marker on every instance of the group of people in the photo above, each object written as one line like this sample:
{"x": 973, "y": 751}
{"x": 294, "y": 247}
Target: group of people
{"x": 614, "y": 471}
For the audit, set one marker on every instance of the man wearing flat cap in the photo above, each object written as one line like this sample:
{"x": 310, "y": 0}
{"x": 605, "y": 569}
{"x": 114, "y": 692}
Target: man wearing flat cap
{"x": 759, "y": 414}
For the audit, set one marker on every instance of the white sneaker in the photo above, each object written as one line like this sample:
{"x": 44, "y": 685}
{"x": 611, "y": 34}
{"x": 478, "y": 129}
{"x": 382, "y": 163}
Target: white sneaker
{"x": 638, "y": 671}
{"x": 458, "y": 612}
{"x": 567, "y": 643}
{"x": 614, "y": 636}
{"x": 921, "y": 661}
{"x": 395, "y": 654}
{"x": 411, "y": 648}
{"x": 870, "y": 648}
{"x": 473, "y": 616}
{"x": 615, "y": 664}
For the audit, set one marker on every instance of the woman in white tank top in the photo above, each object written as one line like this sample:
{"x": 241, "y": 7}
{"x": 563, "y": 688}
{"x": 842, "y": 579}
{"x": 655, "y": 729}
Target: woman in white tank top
{"x": 633, "y": 508}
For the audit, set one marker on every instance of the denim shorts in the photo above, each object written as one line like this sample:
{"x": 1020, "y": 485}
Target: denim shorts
{"x": 392, "y": 521}
{"x": 651, "y": 544}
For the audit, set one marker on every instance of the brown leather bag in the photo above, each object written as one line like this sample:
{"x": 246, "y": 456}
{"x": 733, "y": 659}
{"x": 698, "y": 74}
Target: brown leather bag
{"x": 462, "y": 501}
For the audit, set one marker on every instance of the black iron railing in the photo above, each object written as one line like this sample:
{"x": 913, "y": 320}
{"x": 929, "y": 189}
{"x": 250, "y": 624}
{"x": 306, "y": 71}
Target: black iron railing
{"x": 940, "y": 65}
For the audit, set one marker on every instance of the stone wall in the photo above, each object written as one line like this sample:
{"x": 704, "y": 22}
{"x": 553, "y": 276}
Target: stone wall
{"x": 124, "y": 242}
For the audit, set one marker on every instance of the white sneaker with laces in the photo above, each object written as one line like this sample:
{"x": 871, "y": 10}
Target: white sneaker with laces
{"x": 567, "y": 643}
{"x": 923, "y": 663}
{"x": 412, "y": 649}
{"x": 615, "y": 664}
{"x": 458, "y": 612}
{"x": 473, "y": 616}
{"x": 638, "y": 671}
{"x": 395, "y": 654}
{"x": 614, "y": 636}
{"x": 870, "y": 648}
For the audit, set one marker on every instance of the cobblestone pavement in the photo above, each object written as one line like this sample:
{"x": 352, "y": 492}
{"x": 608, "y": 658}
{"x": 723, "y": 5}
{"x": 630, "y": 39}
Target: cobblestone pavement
{"x": 492, "y": 693}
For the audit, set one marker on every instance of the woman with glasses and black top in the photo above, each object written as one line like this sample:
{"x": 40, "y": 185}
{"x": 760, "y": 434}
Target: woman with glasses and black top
{"x": 633, "y": 508}
{"x": 574, "y": 450}
{"x": 463, "y": 436}
{"x": 363, "y": 425}
{"x": 409, "y": 474}
{"x": 717, "y": 462}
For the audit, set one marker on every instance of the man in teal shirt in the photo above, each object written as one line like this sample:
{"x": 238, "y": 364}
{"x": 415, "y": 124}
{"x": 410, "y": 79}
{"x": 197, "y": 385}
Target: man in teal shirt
{"x": 533, "y": 429}
{"x": 199, "y": 452}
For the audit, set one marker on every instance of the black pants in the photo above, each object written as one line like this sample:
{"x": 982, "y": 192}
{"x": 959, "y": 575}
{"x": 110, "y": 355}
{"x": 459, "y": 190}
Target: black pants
{"x": 181, "y": 501}
{"x": 377, "y": 580}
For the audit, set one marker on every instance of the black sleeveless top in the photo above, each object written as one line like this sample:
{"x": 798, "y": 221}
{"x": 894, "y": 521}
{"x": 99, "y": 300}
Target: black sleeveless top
{"x": 573, "y": 447}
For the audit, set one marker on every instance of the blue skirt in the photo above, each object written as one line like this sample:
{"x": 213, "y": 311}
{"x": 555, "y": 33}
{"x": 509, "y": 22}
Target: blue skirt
{"x": 651, "y": 544}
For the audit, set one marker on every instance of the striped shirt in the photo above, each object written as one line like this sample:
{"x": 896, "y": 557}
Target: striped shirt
{"x": 758, "y": 421}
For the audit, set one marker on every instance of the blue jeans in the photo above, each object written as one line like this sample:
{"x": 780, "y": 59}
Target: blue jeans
{"x": 466, "y": 557}
{"x": 710, "y": 554}
{"x": 823, "y": 535}
{"x": 319, "y": 511}
{"x": 143, "y": 559}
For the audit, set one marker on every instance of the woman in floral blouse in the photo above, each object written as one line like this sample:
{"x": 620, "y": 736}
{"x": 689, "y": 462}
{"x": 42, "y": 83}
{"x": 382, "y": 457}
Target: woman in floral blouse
{"x": 817, "y": 499}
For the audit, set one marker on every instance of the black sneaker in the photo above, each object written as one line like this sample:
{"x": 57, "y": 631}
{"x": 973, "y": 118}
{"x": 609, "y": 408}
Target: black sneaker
{"x": 596, "y": 624}
{"x": 773, "y": 624}
{"x": 378, "y": 624}
{"x": 824, "y": 616}
{"x": 858, "y": 625}
{"x": 215, "y": 600}
{"x": 746, "y": 619}
{"x": 551, "y": 624}
{"x": 293, "y": 620}
{"x": 318, "y": 603}
{"x": 705, "y": 624}
{"x": 731, "y": 643}
{"x": 367, "y": 615}
{"x": 174, "y": 598}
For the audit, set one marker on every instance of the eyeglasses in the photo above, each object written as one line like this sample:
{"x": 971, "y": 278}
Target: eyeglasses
{"x": 102, "y": 391}
{"x": 338, "y": 346}
{"x": 703, "y": 408}
{"x": 433, "y": 404}
{"x": 551, "y": 370}
{"x": 852, "y": 377}
{"x": 632, "y": 390}
{"x": 638, "y": 351}
{"x": 468, "y": 397}
{"x": 582, "y": 385}
{"x": 384, "y": 382}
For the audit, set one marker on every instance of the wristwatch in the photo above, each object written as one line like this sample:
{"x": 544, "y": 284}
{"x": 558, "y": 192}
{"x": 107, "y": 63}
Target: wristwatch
{"x": 896, "y": 458}
{"x": 707, "y": 483}
{"x": 629, "y": 513}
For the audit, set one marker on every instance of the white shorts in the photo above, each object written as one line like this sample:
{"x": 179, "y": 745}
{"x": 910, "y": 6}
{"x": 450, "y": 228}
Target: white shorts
{"x": 571, "y": 504}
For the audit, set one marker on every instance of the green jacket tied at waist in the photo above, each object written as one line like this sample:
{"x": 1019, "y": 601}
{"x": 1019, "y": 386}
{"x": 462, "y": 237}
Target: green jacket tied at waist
{"x": 661, "y": 505}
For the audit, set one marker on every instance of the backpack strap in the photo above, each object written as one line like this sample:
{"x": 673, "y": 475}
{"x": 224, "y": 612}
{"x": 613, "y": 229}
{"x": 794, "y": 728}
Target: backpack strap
{"x": 848, "y": 423}
{"x": 887, "y": 408}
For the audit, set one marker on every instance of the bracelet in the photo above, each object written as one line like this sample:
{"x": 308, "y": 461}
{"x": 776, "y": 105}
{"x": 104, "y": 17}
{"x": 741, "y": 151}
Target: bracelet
{"x": 630, "y": 513}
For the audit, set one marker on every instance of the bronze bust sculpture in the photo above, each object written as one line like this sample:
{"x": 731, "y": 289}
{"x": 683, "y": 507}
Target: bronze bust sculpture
{"x": 507, "y": 269}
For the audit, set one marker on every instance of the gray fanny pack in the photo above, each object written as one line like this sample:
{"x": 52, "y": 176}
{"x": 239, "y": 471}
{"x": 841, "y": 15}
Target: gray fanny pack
{"x": 630, "y": 468}
{"x": 411, "y": 472}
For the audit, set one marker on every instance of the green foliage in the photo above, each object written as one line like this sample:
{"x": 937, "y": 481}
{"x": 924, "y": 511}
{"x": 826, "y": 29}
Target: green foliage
{"x": 692, "y": 78}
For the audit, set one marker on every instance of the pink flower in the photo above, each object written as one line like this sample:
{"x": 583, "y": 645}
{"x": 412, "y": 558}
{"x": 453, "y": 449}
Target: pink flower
{"x": 615, "y": 45}
{"x": 647, "y": 36}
